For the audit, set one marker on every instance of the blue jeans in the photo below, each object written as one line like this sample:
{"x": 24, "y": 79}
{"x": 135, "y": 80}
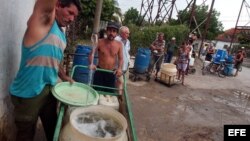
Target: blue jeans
{"x": 168, "y": 57}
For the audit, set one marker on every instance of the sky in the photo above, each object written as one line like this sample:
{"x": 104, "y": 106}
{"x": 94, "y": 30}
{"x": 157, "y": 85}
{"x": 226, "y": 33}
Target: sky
{"x": 228, "y": 9}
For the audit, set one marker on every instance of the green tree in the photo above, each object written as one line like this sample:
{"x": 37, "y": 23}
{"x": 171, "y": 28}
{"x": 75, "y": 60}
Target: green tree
{"x": 131, "y": 16}
{"x": 201, "y": 13}
{"x": 109, "y": 9}
{"x": 82, "y": 27}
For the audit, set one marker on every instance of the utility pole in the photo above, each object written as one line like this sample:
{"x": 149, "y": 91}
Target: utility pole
{"x": 192, "y": 14}
{"x": 236, "y": 25}
{"x": 206, "y": 26}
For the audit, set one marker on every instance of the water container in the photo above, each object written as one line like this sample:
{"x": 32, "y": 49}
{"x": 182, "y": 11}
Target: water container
{"x": 169, "y": 69}
{"x": 81, "y": 58}
{"x": 229, "y": 69}
{"x": 219, "y": 56}
{"x": 142, "y": 60}
{"x": 110, "y": 101}
{"x": 82, "y": 128}
{"x": 191, "y": 62}
{"x": 230, "y": 59}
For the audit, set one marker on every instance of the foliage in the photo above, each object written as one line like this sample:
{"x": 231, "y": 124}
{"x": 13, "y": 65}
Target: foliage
{"x": 201, "y": 13}
{"x": 82, "y": 27}
{"x": 143, "y": 37}
{"x": 131, "y": 16}
{"x": 244, "y": 38}
{"x": 109, "y": 8}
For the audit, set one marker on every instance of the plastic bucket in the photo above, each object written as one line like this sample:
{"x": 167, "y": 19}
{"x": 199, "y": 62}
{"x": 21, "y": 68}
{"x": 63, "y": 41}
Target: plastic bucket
{"x": 86, "y": 124}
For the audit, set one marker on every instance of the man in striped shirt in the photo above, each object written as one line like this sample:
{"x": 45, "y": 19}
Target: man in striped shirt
{"x": 41, "y": 64}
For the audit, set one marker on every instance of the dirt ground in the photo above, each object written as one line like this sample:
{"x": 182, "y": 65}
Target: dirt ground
{"x": 194, "y": 112}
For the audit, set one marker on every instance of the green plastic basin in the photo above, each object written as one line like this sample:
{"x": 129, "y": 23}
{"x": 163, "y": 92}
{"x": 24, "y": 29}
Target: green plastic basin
{"x": 76, "y": 94}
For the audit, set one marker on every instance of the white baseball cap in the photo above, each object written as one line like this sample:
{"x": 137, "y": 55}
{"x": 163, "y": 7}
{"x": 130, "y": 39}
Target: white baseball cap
{"x": 173, "y": 38}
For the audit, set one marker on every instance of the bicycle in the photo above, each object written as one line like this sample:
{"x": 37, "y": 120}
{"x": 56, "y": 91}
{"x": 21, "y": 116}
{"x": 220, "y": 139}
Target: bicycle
{"x": 215, "y": 67}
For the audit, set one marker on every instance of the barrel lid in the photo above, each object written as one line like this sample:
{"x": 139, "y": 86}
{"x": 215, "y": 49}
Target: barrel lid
{"x": 76, "y": 94}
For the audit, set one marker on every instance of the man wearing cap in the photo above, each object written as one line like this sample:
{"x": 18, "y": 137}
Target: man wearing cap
{"x": 171, "y": 47}
{"x": 109, "y": 50}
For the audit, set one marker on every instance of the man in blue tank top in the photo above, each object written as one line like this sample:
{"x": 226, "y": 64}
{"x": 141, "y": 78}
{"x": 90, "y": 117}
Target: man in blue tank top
{"x": 41, "y": 64}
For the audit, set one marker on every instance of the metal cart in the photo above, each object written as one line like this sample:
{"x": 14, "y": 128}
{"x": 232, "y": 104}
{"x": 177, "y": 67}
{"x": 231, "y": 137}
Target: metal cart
{"x": 124, "y": 104}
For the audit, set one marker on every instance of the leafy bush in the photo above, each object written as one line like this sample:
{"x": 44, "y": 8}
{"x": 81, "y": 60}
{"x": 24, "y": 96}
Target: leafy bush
{"x": 143, "y": 37}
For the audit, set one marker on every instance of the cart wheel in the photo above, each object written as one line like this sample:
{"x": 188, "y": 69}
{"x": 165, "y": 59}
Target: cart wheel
{"x": 193, "y": 71}
{"x": 221, "y": 73}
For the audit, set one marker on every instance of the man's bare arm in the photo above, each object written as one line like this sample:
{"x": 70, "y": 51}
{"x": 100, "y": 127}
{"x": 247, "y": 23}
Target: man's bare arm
{"x": 40, "y": 21}
{"x": 44, "y": 12}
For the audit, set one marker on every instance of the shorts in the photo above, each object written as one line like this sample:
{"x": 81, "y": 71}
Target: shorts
{"x": 238, "y": 65}
{"x": 182, "y": 66}
{"x": 106, "y": 79}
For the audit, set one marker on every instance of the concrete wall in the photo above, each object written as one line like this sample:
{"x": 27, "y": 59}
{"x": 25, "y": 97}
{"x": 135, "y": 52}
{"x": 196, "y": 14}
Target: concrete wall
{"x": 13, "y": 19}
{"x": 221, "y": 44}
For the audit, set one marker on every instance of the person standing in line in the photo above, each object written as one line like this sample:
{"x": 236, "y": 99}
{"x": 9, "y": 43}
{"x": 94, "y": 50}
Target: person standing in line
{"x": 123, "y": 37}
{"x": 108, "y": 50}
{"x": 238, "y": 60}
{"x": 157, "y": 49}
{"x": 170, "y": 50}
{"x": 190, "y": 50}
{"x": 182, "y": 61}
{"x": 210, "y": 52}
{"x": 42, "y": 62}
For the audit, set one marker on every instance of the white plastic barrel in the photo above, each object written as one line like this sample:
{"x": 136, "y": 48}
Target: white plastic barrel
{"x": 169, "y": 69}
{"x": 110, "y": 101}
{"x": 95, "y": 123}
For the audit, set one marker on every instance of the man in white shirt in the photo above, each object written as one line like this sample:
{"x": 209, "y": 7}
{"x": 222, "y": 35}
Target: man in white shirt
{"x": 123, "y": 37}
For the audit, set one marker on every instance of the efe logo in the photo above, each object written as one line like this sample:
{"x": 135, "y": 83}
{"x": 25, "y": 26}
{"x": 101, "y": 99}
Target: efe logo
{"x": 236, "y": 132}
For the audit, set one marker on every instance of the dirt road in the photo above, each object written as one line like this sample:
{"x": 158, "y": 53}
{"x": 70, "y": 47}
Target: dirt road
{"x": 195, "y": 112}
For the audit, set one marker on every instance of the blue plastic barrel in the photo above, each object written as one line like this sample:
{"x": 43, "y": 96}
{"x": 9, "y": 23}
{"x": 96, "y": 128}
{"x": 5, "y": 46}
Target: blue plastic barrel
{"x": 219, "y": 56}
{"x": 81, "y": 58}
{"x": 228, "y": 70}
{"x": 230, "y": 59}
{"x": 142, "y": 60}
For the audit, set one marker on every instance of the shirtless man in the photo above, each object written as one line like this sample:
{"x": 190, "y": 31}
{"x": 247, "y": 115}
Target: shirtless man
{"x": 109, "y": 50}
